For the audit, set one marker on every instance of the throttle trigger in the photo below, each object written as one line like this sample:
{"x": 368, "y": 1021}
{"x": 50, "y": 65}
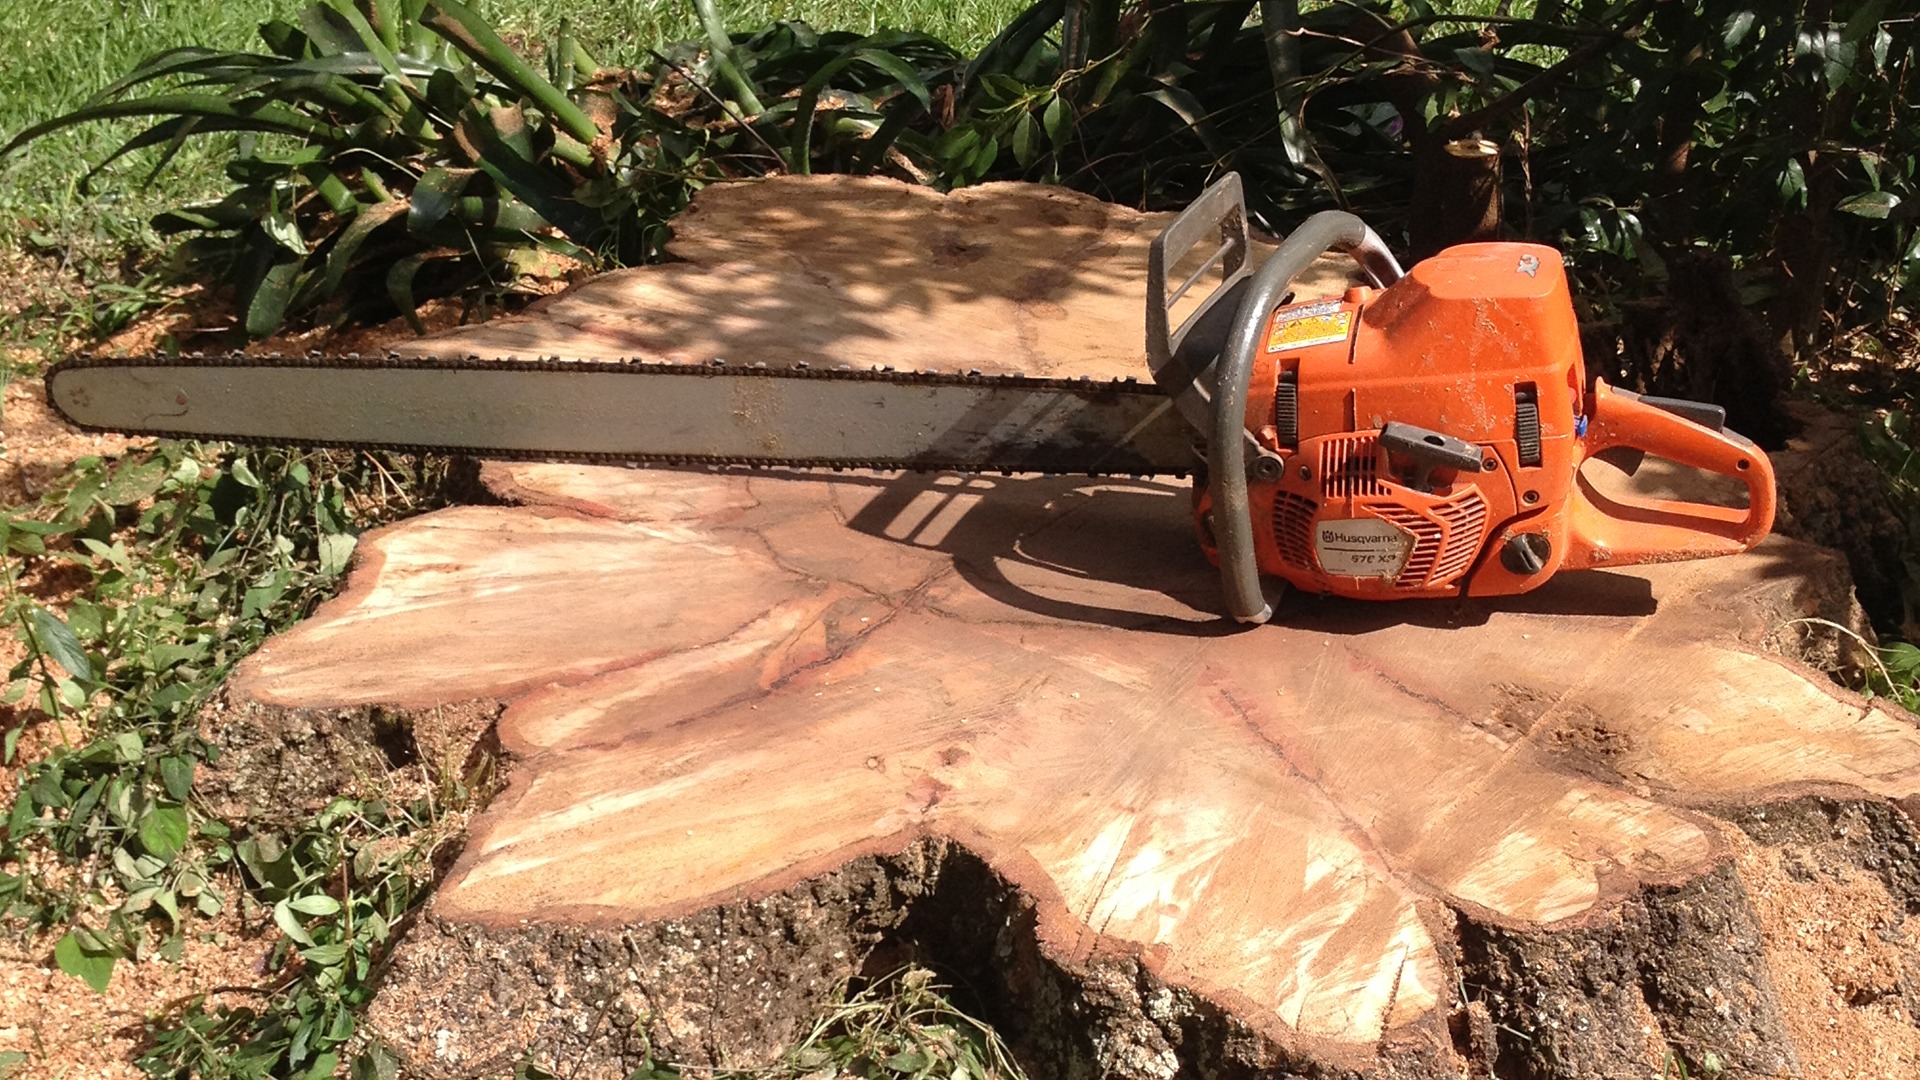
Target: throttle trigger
{"x": 1429, "y": 450}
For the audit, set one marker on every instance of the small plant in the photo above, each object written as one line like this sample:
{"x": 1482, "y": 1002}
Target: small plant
{"x": 188, "y": 556}
{"x": 336, "y": 888}
{"x": 1887, "y": 439}
{"x": 1675, "y": 1067}
{"x": 898, "y": 1027}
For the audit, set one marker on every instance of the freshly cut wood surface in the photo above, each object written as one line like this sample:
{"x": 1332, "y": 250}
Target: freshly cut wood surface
{"x": 760, "y": 725}
{"x": 869, "y": 272}
{"x": 723, "y": 685}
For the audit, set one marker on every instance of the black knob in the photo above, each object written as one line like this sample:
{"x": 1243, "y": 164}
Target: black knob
{"x": 1526, "y": 553}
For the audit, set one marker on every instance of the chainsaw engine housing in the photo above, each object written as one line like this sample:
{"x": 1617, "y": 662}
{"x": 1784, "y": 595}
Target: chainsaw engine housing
{"x": 1419, "y": 428}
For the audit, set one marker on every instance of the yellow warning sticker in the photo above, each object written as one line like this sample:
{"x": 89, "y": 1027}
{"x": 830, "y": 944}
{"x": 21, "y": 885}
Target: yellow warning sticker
{"x": 1298, "y": 326}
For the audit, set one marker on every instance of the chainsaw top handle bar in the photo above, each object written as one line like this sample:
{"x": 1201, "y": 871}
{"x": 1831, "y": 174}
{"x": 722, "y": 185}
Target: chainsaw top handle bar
{"x": 1327, "y": 231}
{"x": 1212, "y": 393}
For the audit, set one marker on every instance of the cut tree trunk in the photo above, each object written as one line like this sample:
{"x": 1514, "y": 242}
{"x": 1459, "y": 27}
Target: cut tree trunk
{"x": 768, "y": 732}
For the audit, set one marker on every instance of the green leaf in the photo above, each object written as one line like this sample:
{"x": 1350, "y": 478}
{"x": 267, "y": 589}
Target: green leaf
{"x": 163, "y": 831}
{"x": 261, "y": 597}
{"x": 325, "y": 955}
{"x": 255, "y": 116}
{"x": 400, "y": 286}
{"x": 280, "y": 225}
{"x": 57, "y": 640}
{"x": 283, "y": 917}
{"x": 266, "y": 293}
{"x": 1865, "y": 18}
{"x": 1793, "y": 182}
{"x": 69, "y": 693}
{"x": 336, "y": 550}
{"x": 1024, "y": 131}
{"x": 1056, "y": 120}
{"x": 166, "y": 654}
{"x": 315, "y": 904}
{"x": 128, "y": 747}
{"x": 471, "y": 35}
{"x": 376, "y": 1062}
{"x": 86, "y": 619}
{"x": 1478, "y": 61}
{"x": 340, "y": 257}
{"x": 243, "y": 473}
{"x": 907, "y": 1061}
{"x": 1870, "y": 204}
{"x": 176, "y": 773}
{"x": 134, "y": 480}
{"x": 114, "y": 555}
{"x": 886, "y": 63}
{"x": 538, "y": 185}
{"x": 21, "y": 821}
{"x": 90, "y": 965}
{"x": 42, "y": 528}
{"x": 434, "y": 196}
{"x": 1192, "y": 113}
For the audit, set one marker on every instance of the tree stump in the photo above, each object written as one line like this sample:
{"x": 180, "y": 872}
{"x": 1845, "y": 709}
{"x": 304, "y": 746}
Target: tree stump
{"x": 769, "y": 731}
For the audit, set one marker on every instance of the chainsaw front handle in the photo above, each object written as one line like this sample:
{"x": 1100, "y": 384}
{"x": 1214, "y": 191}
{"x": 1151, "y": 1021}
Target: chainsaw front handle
{"x": 1608, "y": 530}
{"x": 1227, "y": 440}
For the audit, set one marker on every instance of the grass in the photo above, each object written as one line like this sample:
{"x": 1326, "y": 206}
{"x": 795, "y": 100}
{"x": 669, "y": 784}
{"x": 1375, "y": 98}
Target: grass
{"x": 59, "y": 54}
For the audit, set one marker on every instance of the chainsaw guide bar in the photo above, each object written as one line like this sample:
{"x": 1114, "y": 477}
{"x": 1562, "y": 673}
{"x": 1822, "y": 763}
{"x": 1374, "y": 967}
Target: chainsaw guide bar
{"x": 1422, "y": 436}
{"x": 638, "y": 412}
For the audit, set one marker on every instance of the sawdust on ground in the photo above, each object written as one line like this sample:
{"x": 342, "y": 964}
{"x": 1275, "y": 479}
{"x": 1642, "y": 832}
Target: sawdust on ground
{"x": 67, "y": 1030}
{"x": 36, "y": 449}
{"x": 1844, "y": 956}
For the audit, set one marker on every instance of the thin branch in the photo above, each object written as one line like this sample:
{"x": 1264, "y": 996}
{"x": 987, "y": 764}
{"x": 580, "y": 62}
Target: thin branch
{"x": 725, "y": 105}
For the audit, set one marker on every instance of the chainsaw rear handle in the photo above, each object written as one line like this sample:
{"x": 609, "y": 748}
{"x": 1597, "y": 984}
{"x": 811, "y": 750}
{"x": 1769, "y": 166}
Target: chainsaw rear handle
{"x": 1327, "y": 231}
{"x": 1621, "y": 531}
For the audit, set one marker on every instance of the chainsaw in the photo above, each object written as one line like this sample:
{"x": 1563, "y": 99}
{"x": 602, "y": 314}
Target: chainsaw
{"x": 1421, "y": 435}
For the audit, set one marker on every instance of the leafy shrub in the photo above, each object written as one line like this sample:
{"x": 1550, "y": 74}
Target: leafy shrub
{"x": 389, "y": 150}
{"x": 374, "y": 144}
{"x": 1776, "y": 131}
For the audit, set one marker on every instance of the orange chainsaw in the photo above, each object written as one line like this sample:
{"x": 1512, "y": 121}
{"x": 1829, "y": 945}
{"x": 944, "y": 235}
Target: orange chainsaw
{"x": 1421, "y": 436}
